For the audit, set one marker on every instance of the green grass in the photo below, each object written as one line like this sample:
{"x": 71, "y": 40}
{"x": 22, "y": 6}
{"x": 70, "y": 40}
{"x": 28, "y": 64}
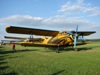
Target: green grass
{"x": 43, "y": 61}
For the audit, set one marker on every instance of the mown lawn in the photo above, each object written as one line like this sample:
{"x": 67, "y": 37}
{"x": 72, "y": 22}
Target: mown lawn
{"x": 43, "y": 61}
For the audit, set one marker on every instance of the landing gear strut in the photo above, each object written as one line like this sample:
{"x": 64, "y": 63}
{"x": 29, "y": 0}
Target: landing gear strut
{"x": 57, "y": 50}
{"x": 74, "y": 48}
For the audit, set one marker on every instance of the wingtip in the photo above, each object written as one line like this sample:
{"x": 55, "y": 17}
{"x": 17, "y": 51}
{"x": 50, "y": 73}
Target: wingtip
{"x": 7, "y": 28}
{"x": 4, "y": 36}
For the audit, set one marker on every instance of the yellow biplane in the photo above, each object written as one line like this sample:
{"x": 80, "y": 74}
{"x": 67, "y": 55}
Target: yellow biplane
{"x": 51, "y": 38}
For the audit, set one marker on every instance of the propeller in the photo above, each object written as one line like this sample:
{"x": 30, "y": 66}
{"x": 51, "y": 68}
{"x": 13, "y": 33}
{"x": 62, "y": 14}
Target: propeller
{"x": 74, "y": 33}
{"x": 75, "y": 40}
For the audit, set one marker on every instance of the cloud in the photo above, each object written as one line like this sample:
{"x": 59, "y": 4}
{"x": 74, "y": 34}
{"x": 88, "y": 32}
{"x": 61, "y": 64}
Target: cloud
{"x": 70, "y": 7}
{"x": 54, "y": 23}
{"x": 93, "y": 11}
{"x": 62, "y": 21}
{"x": 80, "y": 7}
{"x": 79, "y": 1}
{"x": 22, "y": 20}
{"x": 57, "y": 21}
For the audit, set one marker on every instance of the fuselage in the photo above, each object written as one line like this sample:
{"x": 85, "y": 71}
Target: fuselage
{"x": 63, "y": 38}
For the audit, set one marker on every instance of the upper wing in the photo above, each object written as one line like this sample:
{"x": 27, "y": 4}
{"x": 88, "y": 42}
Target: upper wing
{"x": 22, "y": 30}
{"x": 84, "y": 33}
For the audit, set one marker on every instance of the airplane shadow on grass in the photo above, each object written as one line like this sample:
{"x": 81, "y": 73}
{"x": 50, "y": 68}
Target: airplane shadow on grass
{"x": 3, "y": 67}
{"x": 69, "y": 49}
{"x": 86, "y": 48}
{"x": 95, "y": 47}
{"x": 0, "y": 46}
{"x": 57, "y": 73}
{"x": 17, "y": 51}
{"x": 11, "y": 73}
{"x": 4, "y": 64}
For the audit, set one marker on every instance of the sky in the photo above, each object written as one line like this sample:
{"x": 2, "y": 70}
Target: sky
{"x": 56, "y": 15}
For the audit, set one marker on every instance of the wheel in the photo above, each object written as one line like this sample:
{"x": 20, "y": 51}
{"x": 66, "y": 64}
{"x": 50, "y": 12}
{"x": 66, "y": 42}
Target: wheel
{"x": 57, "y": 50}
{"x": 75, "y": 49}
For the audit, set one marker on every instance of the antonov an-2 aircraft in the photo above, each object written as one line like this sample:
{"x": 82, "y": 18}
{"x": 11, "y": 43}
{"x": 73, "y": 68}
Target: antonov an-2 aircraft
{"x": 51, "y": 38}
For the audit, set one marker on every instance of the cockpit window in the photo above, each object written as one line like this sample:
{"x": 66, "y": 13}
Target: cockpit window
{"x": 64, "y": 32}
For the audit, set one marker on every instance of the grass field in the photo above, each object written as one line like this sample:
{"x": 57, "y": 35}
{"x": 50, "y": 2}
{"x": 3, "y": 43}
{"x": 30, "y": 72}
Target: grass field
{"x": 43, "y": 61}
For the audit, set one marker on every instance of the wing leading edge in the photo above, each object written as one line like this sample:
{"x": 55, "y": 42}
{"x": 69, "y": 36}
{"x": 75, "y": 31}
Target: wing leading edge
{"x": 33, "y": 31}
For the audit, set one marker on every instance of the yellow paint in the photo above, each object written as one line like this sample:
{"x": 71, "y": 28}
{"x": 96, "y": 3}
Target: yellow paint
{"x": 55, "y": 38}
{"x": 62, "y": 39}
{"x": 7, "y": 28}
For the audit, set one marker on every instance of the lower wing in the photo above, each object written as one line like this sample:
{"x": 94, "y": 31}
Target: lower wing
{"x": 11, "y": 37}
{"x": 36, "y": 44}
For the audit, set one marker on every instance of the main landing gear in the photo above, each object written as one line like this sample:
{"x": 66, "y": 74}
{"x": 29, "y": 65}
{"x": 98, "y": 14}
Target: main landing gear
{"x": 74, "y": 48}
{"x": 57, "y": 49}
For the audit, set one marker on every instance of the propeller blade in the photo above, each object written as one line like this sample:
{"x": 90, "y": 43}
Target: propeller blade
{"x": 75, "y": 40}
{"x": 76, "y": 28}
